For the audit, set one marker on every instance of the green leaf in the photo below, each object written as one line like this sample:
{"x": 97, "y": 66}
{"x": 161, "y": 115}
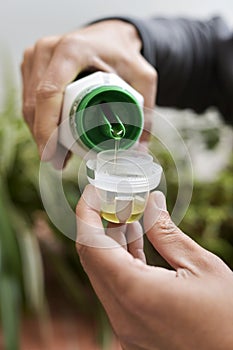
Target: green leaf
{"x": 9, "y": 297}
{"x": 32, "y": 270}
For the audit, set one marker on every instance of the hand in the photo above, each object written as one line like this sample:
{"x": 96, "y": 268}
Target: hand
{"x": 190, "y": 307}
{"x": 110, "y": 46}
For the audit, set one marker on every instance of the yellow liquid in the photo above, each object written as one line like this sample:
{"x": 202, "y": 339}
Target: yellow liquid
{"x": 109, "y": 211}
{"x": 113, "y": 218}
{"x": 110, "y": 214}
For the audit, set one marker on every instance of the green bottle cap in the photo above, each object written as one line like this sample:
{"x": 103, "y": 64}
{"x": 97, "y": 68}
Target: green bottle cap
{"x": 106, "y": 114}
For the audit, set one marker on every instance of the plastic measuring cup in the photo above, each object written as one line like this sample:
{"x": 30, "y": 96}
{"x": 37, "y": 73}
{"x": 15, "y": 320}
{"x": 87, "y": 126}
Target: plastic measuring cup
{"x": 124, "y": 180}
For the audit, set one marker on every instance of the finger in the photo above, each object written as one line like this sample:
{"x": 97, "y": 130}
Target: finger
{"x": 117, "y": 232}
{"x": 134, "y": 237}
{"x": 64, "y": 67}
{"x": 89, "y": 223}
{"x": 116, "y": 276}
{"x": 42, "y": 54}
{"x": 50, "y": 96}
{"x": 26, "y": 68}
{"x": 61, "y": 154}
{"x": 143, "y": 77}
{"x": 101, "y": 256}
{"x": 147, "y": 127}
{"x": 177, "y": 248}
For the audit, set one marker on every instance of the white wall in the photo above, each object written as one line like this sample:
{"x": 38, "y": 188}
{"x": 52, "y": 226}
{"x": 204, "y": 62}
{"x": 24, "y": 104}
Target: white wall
{"x": 22, "y": 22}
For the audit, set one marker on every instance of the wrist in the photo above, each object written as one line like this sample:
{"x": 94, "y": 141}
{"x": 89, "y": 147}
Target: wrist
{"x": 124, "y": 27}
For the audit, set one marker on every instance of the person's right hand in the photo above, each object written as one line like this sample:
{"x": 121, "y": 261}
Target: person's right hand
{"x": 110, "y": 46}
{"x": 189, "y": 307}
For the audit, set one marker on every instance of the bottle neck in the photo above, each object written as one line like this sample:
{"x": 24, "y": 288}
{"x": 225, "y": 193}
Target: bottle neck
{"x": 105, "y": 114}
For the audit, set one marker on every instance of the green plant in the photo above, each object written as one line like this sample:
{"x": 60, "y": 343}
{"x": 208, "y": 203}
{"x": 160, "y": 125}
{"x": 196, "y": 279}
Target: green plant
{"x": 20, "y": 261}
{"x": 22, "y": 289}
{"x": 23, "y": 254}
{"x": 209, "y": 218}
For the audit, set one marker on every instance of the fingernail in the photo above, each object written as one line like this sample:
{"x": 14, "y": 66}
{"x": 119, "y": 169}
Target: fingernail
{"x": 155, "y": 208}
{"x": 160, "y": 200}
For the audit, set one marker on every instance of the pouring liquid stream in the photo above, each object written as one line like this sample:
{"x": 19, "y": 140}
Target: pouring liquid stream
{"x": 117, "y": 145}
{"x": 117, "y": 134}
{"x": 123, "y": 209}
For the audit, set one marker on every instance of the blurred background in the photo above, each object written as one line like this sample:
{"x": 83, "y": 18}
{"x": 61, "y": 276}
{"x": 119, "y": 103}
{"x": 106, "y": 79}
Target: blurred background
{"x": 22, "y": 23}
{"x": 45, "y": 298}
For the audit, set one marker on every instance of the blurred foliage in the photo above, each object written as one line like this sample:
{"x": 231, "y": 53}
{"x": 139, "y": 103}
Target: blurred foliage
{"x": 209, "y": 220}
{"x": 30, "y": 253}
{"x": 20, "y": 261}
{"x": 211, "y": 137}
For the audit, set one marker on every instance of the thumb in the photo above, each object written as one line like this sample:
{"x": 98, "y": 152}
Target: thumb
{"x": 178, "y": 249}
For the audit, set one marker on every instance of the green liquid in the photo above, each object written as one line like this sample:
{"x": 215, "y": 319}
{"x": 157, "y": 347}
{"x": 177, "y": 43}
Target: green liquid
{"x": 117, "y": 131}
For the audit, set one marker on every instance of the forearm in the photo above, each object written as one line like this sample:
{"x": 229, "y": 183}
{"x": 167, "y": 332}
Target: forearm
{"x": 193, "y": 60}
{"x": 182, "y": 51}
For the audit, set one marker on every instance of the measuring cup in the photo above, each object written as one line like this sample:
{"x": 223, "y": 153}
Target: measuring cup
{"x": 124, "y": 180}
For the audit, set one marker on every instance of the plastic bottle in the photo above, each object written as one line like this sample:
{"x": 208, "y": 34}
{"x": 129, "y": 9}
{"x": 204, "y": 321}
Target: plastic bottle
{"x": 98, "y": 110}
{"x": 124, "y": 184}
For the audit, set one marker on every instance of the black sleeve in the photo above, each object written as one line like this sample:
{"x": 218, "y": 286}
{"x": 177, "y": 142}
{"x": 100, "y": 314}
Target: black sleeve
{"x": 194, "y": 61}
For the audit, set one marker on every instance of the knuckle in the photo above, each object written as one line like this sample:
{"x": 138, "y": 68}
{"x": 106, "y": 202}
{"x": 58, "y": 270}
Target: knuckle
{"x": 41, "y": 43}
{"x": 211, "y": 262}
{"x": 47, "y": 90}
{"x": 150, "y": 75}
{"x": 70, "y": 42}
{"x": 28, "y": 110}
{"x": 126, "y": 59}
{"x": 46, "y": 43}
{"x": 165, "y": 224}
{"x": 70, "y": 46}
{"x": 206, "y": 260}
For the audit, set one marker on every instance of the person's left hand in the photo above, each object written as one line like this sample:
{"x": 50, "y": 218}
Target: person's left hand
{"x": 112, "y": 46}
{"x": 150, "y": 308}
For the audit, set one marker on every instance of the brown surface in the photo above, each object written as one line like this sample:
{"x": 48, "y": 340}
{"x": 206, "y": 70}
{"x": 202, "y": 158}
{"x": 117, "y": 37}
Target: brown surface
{"x": 62, "y": 334}
{"x": 64, "y": 328}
